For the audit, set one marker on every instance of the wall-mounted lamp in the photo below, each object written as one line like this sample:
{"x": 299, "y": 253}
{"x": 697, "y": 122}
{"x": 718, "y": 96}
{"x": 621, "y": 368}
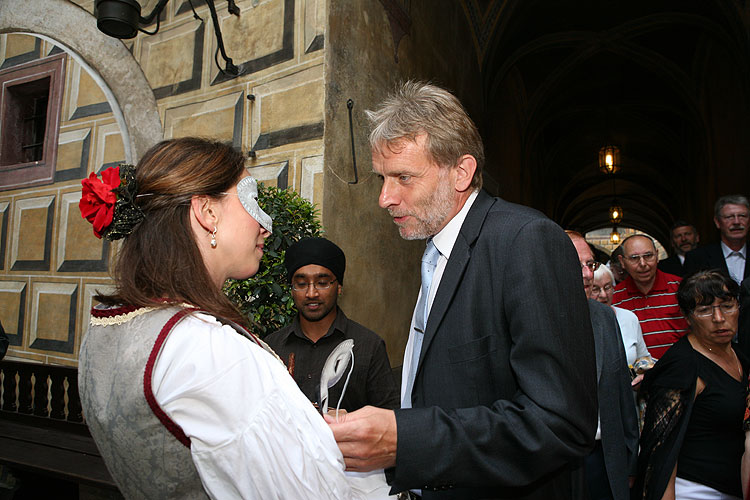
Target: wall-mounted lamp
{"x": 122, "y": 19}
{"x": 609, "y": 159}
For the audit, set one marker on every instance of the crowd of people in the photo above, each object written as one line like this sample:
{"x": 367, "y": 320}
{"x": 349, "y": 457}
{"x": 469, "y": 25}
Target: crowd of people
{"x": 520, "y": 379}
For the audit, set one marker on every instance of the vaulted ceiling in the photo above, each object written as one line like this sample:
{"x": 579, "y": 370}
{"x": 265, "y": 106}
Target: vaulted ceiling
{"x": 667, "y": 81}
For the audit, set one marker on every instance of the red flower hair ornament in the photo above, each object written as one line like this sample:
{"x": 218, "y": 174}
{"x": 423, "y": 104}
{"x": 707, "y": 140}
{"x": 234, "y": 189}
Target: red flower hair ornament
{"x": 108, "y": 204}
{"x": 98, "y": 199}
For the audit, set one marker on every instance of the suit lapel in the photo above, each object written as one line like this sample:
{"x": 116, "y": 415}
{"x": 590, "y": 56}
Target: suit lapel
{"x": 716, "y": 258}
{"x": 598, "y": 340}
{"x": 454, "y": 269}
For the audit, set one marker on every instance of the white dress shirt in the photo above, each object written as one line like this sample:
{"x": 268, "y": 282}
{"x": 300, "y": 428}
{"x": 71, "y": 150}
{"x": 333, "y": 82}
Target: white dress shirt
{"x": 735, "y": 261}
{"x": 444, "y": 241}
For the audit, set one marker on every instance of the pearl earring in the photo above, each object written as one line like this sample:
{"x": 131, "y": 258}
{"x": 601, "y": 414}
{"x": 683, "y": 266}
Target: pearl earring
{"x": 213, "y": 238}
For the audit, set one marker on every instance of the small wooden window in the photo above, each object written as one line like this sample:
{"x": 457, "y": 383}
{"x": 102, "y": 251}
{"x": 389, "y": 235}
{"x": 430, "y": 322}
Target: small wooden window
{"x": 30, "y": 101}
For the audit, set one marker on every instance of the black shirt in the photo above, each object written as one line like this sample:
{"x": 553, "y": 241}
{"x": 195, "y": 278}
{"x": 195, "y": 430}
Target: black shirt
{"x": 371, "y": 382}
{"x": 714, "y": 441}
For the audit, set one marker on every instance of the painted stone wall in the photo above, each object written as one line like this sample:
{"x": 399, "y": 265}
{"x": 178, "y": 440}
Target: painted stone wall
{"x": 50, "y": 263}
{"x": 301, "y": 60}
{"x": 363, "y": 62}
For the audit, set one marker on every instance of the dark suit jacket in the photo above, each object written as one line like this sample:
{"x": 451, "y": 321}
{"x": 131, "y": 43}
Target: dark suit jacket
{"x": 708, "y": 257}
{"x": 672, "y": 265}
{"x": 743, "y": 328}
{"x": 617, "y": 411}
{"x": 505, "y": 393}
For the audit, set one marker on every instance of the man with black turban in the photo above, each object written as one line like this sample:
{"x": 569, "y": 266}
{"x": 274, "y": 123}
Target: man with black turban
{"x": 315, "y": 267}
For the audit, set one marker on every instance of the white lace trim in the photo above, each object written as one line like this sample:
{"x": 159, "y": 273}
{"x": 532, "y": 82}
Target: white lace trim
{"x": 120, "y": 318}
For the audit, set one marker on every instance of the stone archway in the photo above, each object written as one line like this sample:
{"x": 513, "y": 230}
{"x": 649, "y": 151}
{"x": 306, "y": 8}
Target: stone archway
{"x": 107, "y": 60}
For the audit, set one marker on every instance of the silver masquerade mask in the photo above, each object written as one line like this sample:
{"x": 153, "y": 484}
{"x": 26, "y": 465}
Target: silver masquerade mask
{"x": 247, "y": 191}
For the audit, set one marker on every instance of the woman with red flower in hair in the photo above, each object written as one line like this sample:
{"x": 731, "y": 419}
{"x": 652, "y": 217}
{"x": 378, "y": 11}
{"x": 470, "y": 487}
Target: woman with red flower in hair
{"x": 182, "y": 400}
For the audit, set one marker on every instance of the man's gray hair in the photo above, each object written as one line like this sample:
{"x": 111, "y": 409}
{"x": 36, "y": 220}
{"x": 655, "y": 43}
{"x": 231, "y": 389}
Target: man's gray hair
{"x": 602, "y": 271}
{"x": 730, "y": 199}
{"x": 416, "y": 108}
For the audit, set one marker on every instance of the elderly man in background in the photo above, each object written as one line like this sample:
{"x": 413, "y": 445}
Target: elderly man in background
{"x": 613, "y": 460}
{"x": 499, "y": 378}
{"x": 684, "y": 238}
{"x": 650, "y": 294}
{"x": 731, "y": 214}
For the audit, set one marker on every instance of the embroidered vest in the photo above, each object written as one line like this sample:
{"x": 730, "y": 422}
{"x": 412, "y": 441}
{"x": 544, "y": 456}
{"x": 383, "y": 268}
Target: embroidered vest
{"x": 147, "y": 454}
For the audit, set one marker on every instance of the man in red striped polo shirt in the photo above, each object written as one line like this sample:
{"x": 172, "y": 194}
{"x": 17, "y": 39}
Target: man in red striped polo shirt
{"x": 650, "y": 294}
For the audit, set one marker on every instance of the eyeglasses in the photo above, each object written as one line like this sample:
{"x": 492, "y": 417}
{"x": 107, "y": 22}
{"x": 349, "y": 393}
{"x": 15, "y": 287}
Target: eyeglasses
{"x": 596, "y": 289}
{"x": 302, "y": 286}
{"x": 592, "y": 264}
{"x": 730, "y": 307}
{"x": 636, "y": 258}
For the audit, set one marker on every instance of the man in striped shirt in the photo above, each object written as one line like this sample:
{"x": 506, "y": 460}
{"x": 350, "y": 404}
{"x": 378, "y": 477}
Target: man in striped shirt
{"x": 650, "y": 294}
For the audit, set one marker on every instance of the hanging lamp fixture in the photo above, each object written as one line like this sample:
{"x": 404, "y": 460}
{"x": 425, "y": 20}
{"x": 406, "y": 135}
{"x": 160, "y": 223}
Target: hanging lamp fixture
{"x": 614, "y": 236}
{"x": 615, "y": 213}
{"x": 609, "y": 159}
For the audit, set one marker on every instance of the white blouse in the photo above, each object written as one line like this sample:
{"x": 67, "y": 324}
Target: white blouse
{"x": 253, "y": 433}
{"x": 632, "y": 335}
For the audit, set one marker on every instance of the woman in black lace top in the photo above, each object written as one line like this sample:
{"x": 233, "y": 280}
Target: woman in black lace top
{"x": 692, "y": 440}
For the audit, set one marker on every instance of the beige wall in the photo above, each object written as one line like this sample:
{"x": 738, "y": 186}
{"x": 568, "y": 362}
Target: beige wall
{"x": 301, "y": 60}
{"x": 382, "y": 279}
{"x": 280, "y": 46}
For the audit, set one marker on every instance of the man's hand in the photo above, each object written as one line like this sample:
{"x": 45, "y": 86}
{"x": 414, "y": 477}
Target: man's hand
{"x": 367, "y": 438}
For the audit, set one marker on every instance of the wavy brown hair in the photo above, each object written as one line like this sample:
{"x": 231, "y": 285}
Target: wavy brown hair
{"x": 159, "y": 262}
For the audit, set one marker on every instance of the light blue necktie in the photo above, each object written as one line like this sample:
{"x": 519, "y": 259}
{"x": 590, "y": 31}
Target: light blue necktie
{"x": 421, "y": 312}
{"x": 735, "y": 265}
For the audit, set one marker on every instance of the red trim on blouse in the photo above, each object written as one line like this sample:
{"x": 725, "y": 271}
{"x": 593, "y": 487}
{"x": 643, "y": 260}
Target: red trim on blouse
{"x": 111, "y": 312}
{"x": 167, "y": 422}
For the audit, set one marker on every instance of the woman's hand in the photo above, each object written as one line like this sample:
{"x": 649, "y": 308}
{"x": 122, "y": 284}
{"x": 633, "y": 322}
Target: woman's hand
{"x": 636, "y": 383}
{"x": 745, "y": 468}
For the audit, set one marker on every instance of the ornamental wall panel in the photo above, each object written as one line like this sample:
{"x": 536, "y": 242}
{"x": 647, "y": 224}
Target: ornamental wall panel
{"x": 172, "y": 60}
{"x": 50, "y": 263}
{"x": 18, "y": 49}
{"x": 288, "y": 110}
{"x": 31, "y": 233}
{"x": 219, "y": 118}
{"x": 110, "y": 150}
{"x": 311, "y": 180}
{"x": 4, "y": 217}
{"x": 314, "y": 29}
{"x": 73, "y": 151}
{"x": 272, "y": 174}
{"x": 13, "y": 312}
{"x": 260, "y": 38}
{"x": 78, "y": 250}
{"x": 53, "y": 313}
{"x": 84, "y": 96}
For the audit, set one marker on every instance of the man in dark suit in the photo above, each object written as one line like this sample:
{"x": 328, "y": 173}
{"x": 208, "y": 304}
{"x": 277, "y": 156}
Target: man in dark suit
{"x": 731, "y": 215}
{"x": 743, "y": 326}
{"x": 499, "y": 383}
{"x": 684, "y": 238}
{"x": 613, "y": 460}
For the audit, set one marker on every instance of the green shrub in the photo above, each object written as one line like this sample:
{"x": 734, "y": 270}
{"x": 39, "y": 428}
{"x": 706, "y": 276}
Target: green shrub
{"x": 265, "y": 298}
